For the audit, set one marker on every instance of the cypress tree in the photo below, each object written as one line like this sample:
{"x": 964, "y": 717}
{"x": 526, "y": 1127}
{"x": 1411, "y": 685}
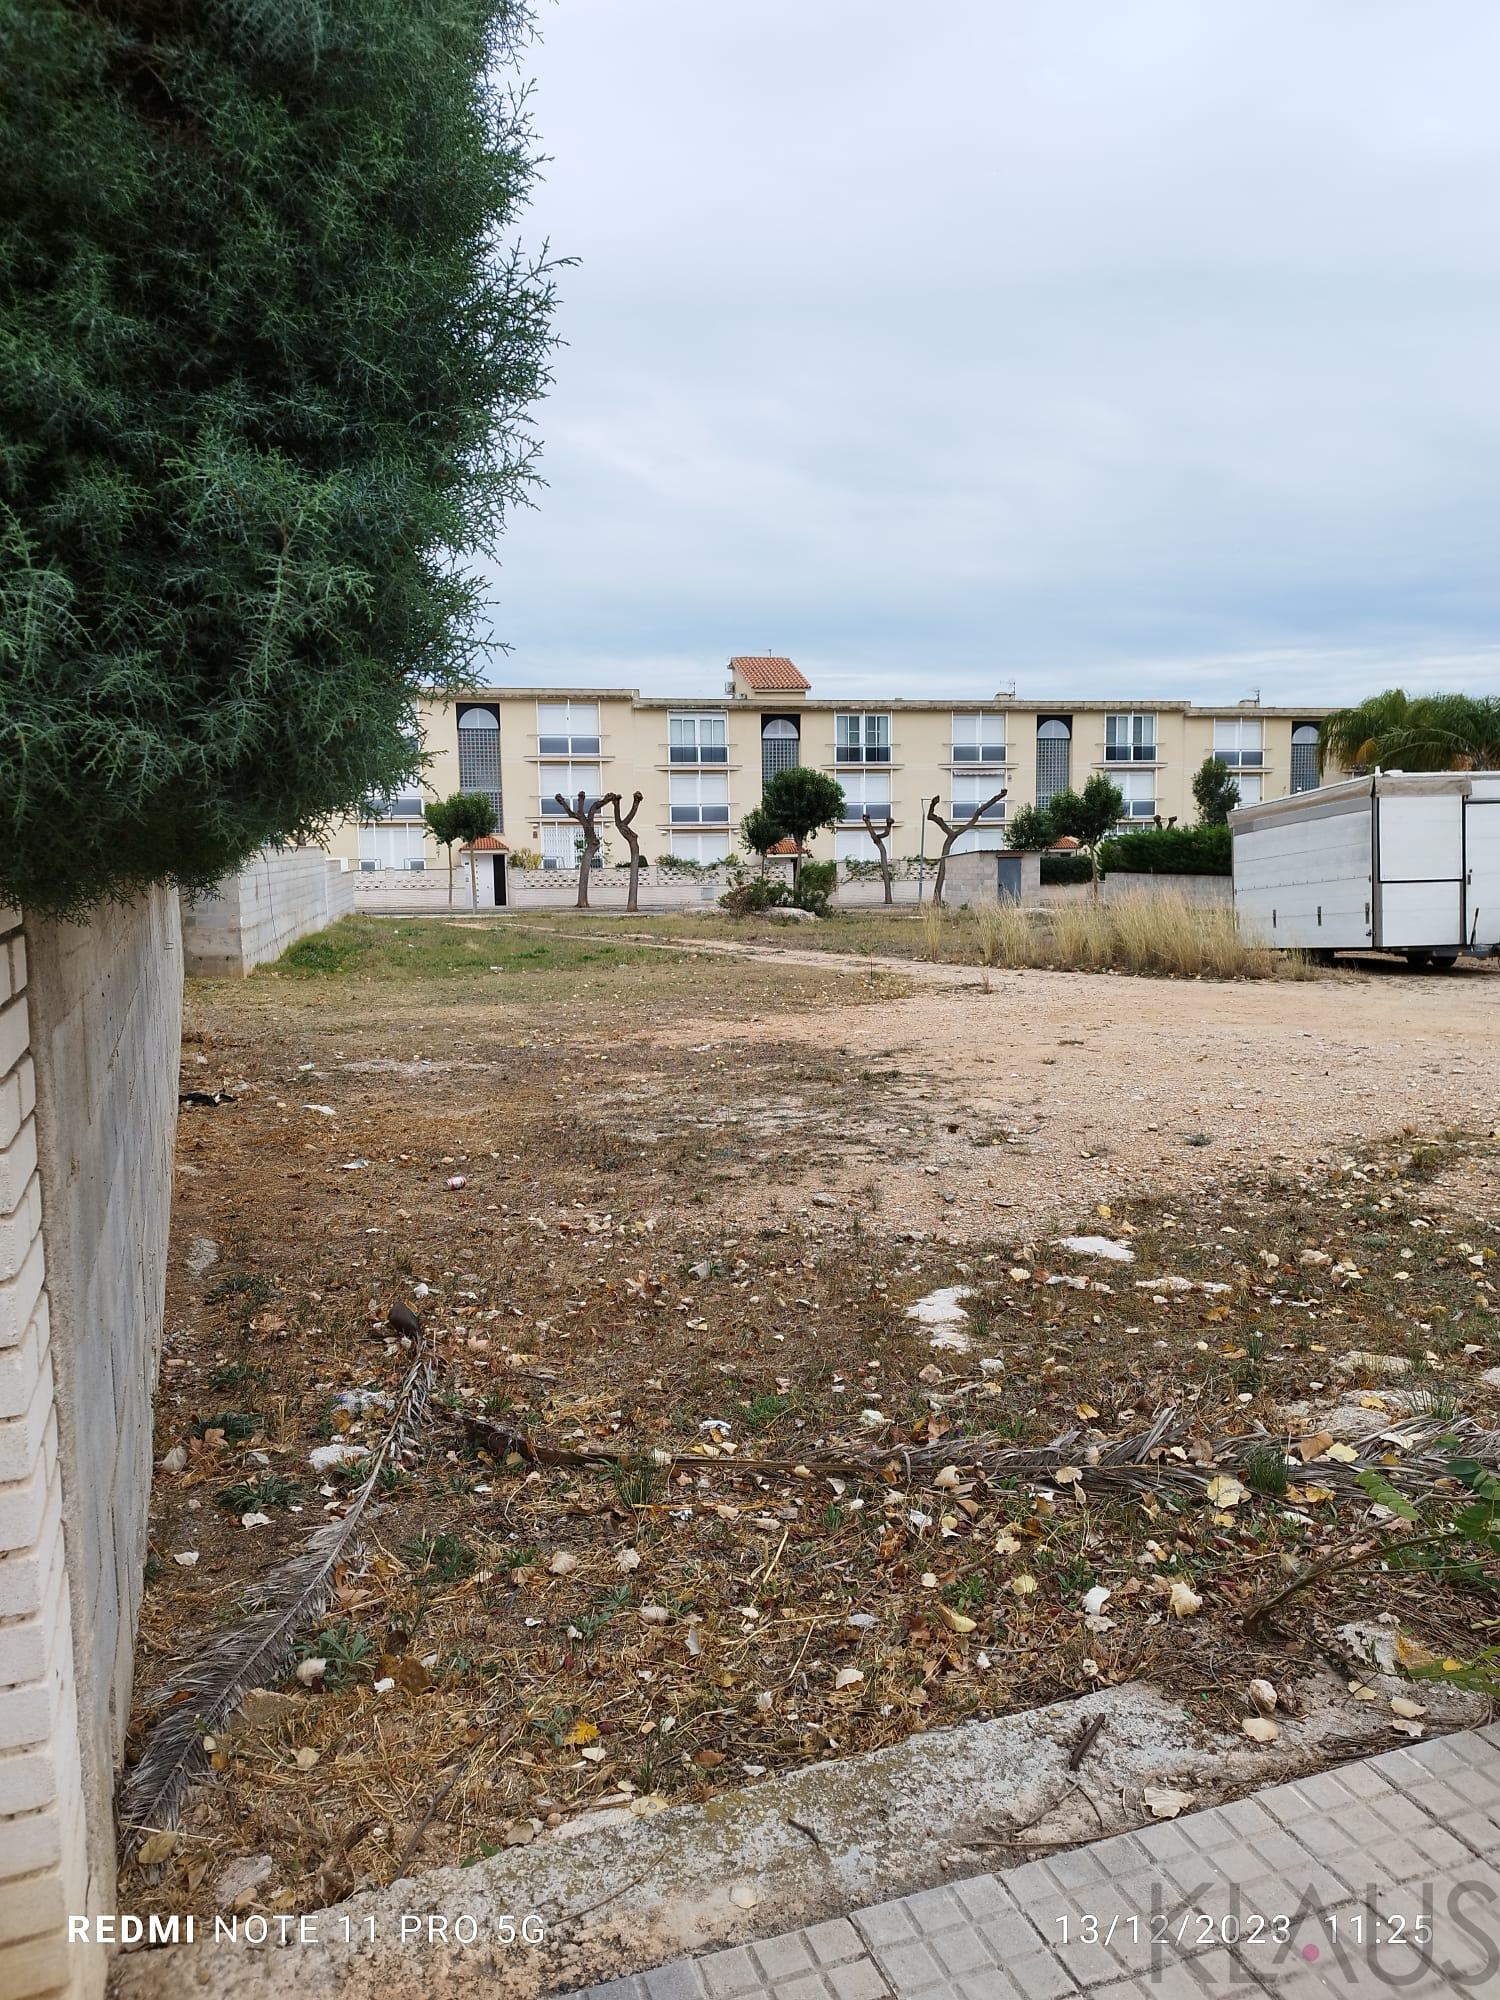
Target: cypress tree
{"x": 266, "y": 357}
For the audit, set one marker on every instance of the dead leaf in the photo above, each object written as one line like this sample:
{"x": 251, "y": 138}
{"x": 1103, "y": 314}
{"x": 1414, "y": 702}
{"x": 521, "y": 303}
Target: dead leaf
{"x": 1183, "y": 1601}
{"x": 1165, "y": 1802}
{"x": 1260, "y": 1728}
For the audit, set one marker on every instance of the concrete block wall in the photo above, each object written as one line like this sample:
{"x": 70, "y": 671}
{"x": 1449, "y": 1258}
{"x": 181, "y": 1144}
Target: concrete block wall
{"x": 90, "y": 1023}
{"x": 277, "y": 897}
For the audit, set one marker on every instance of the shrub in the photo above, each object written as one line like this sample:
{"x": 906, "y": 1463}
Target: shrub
{"x": 1169, "y": 850}
{"x": 1059, "y": 868}
{"x": 264, "y": 371}
{"x": 815, "y": 884}
{"x": 748, "y": 899}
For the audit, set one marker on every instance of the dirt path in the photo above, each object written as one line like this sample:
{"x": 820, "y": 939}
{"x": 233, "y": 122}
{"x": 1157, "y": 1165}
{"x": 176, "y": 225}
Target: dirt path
{"x": 1051, "y": 1091}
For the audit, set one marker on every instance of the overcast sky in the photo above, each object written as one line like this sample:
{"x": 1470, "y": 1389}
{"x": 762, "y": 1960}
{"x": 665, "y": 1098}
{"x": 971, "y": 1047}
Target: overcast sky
{"x": 1107, "y": 346}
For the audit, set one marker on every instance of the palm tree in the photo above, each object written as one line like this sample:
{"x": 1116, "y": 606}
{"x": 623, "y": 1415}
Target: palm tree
{"x": 1429, "y": 732}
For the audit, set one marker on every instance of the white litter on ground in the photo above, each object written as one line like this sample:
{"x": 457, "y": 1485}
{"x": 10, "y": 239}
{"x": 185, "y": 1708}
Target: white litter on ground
{"x": 942, "y": 1311}
{"x": 1098, "y": 1246}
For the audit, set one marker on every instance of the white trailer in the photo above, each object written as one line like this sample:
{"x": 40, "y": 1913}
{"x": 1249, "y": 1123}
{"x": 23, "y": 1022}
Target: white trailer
{"x": 1401, "y": 861}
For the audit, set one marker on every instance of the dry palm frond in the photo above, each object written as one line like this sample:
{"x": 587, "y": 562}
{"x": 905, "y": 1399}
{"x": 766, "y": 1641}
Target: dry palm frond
{"x": 1153, "y": 1460}
{"x": 207, "y": 1690}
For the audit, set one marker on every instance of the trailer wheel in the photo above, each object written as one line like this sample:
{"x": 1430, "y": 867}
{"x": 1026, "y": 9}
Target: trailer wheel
{"x": 1419, "y": 961}
{"x": 1444, "y": 961}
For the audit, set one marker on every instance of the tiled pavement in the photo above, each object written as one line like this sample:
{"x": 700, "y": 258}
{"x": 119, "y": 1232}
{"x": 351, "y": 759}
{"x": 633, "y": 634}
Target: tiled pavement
{"x": 1386, "y": 1874}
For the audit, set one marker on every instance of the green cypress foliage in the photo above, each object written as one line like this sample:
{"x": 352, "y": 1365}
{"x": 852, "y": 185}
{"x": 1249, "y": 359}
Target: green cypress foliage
{"x": 266, "y": 356}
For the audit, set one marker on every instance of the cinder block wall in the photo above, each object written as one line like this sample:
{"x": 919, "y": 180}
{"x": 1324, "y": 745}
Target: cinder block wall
{"x": 253, "y": 916}
{"x": 90, "y": 1025}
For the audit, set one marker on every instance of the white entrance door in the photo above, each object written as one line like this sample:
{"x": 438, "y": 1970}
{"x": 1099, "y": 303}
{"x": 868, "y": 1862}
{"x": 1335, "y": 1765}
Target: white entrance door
{"x": 1482, "y": 871}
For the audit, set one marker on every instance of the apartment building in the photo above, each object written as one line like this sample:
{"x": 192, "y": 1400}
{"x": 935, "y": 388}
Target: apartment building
{"x": 700, "y": 764}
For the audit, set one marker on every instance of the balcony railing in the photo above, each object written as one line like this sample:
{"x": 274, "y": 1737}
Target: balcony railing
{"x": 402, "y": 805}
{"x": 978, "y": 753}
{"x": 702, "y": 753}
{"x": 1130, "y": 753}
{"x": 567, "y": 746}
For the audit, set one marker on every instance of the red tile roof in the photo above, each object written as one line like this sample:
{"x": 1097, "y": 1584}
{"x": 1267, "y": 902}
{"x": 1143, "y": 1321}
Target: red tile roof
{"x": 786, "y": 846}
{"x": 487, "y": 843}
{"x": 770, "y": 673}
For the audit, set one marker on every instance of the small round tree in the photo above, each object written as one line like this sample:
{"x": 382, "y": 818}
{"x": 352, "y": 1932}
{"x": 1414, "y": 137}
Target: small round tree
{"x": 759, "y": 832}
{"x": 1030, "y": 829}
{"x": 1216, "y": 790}
{"x": 799, "y": 803}
{"x": 462, "y": 816}
{"x": 1090, "y": 816}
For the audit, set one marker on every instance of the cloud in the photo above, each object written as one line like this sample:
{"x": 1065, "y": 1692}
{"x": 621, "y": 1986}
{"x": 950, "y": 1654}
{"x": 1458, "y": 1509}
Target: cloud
{"x": 1077, "y": 345}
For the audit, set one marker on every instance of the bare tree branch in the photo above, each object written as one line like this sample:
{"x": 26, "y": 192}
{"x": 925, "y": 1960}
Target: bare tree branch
{"x": 951, "y": 833}
{"x": 880, "y": 837}
{"x": 586, "y": 816}
{"x": 625, "y": 826}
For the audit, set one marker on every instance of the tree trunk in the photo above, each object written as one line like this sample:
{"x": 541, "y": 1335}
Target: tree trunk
{"x": 632, "y": 897}
{"x": 880, "y": 840}
{"x": 450, "y": 874}
{"x": 585, "y": 869}
{"x": 473, "y": 883}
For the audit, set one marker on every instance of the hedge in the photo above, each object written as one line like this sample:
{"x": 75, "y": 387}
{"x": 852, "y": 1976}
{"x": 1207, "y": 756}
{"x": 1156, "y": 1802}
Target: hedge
{"x": 1168, "y": 850}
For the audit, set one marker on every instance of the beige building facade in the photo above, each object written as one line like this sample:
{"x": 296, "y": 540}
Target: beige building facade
{"x": 700, "y": 763}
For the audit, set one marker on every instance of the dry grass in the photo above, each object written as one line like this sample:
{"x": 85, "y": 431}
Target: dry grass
{"x": 688, "y": 1630}
{"x": 1160, "y": 935}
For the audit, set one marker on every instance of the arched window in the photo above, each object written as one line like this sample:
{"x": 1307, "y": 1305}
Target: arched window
{"x": 780, "y": 746}
{"x": 1305, "y": 772}
{"x": 479, "y": 756}
{"x": 1054, "y": 744}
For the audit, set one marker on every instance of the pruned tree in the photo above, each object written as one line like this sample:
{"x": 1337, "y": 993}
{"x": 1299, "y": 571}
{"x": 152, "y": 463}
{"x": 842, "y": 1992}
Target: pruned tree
{"x": 952, "y": 833}
{"x": 624, "y": 825}
{"x": 880, "y": 835}
{"x": 584, "y": 813}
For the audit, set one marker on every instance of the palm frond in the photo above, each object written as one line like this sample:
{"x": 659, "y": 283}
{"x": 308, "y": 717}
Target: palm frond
{"x": 208, "y": 1688}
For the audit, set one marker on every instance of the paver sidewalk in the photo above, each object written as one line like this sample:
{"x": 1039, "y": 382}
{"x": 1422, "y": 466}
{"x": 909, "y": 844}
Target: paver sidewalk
{"x": 1380, "y": 1877}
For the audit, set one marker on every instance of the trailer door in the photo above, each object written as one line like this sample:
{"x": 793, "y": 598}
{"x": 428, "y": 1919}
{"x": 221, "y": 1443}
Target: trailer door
{"x": 1482, "y": 871}
{"x": 1420, "y": 891}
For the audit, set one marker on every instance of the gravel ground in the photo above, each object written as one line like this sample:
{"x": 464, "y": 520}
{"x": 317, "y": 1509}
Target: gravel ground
{"x": 1050, "y": 1091}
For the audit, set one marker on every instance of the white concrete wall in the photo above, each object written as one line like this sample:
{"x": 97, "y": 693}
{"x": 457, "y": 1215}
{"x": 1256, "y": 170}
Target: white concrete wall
{"x": 277, "y": 897}
{"x": 90, "y": 1024}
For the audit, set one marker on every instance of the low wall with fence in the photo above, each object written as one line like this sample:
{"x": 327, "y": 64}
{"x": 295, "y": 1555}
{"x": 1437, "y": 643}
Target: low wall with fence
{"x": 277, "y": 897}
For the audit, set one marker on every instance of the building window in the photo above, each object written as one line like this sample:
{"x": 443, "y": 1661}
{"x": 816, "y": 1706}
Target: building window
{"x": 978, "y": 739}
{"x": 780, "y": 746}
{"x": 697, "y": 739}
{"x": 570, "y": 780}
{"x": 700, "y": 847}
{"x": 862, "y": 739}
{"x": 562, "y": 843}
{"x": 855, "y": 844}
{"x": 567, "y": 728}
{"x": 402, "y": 805}
{"x": 1130, "y": 739}
{"x": 699, "y": 798}
{"x": 1305, "y": 772}
{"x": 1139, "y": 789}
{"x": 479, "y": 756}
{"x": 392, "y": 847}
{"x": 970, "y": 792}
{"x": 1239, "y": 742}
{"x": 1054, "y": 743}
{"x": 867, "y": 792}
{"x": 1252, "y": 787}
